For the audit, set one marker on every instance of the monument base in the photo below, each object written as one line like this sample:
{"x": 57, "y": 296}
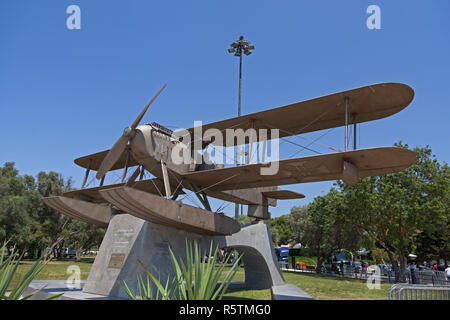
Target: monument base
{"x": 129, "y": 240}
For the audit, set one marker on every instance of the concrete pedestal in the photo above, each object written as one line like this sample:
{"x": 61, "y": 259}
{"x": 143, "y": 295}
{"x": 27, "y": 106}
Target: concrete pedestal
{"x": 129, "y": 240}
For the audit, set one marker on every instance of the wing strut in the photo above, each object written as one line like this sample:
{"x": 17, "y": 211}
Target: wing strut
{"x": 166, "y": 179}
{"x": 133, "y": 177}
{"x": 141, "y": 176}
{"x": 88, "y": 169}
{"x": 200, "y": 195}
{"x": 126, "y": 165}
{"x": 205, "y": 201}
{"x": 346, "y": 124}
{"x": 354, "y": 130}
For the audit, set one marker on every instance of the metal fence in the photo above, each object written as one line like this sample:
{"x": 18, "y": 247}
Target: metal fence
{"x": 423, "y": 277}
{"x": 429, "y": 277}
{"x": 418, "y": 292}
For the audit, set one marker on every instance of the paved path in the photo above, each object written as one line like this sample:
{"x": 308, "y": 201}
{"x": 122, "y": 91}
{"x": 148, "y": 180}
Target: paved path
{"x": 289, "y": 292}
{"x": 53, "y": 287}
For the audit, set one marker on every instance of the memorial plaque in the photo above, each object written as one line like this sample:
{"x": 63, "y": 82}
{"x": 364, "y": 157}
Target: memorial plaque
{"x": 116, "y": 260}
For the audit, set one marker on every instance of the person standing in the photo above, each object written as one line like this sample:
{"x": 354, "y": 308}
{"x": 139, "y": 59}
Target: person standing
{"x": 412, "y": 269}
{"x": 447, "y": 272}
{"x": 364, "y": 269}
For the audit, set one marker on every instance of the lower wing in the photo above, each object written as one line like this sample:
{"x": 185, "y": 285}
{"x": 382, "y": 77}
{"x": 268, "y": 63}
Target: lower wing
{"x": 348, "y": 166}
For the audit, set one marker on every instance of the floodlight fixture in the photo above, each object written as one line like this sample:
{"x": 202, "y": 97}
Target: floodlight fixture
{"x": 241, "y": 45}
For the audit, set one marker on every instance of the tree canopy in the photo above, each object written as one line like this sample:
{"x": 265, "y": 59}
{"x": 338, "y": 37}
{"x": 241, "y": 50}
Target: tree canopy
{"x": 32, "y": 226}
{"x": 405, "y": 211}
{"x": 401, "y": 213}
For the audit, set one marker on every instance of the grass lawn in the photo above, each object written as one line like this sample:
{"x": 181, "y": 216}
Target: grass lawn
{"x": 335, "y": 288}
{"x": 318, "y": 286}
{"x": 54, "y": 270}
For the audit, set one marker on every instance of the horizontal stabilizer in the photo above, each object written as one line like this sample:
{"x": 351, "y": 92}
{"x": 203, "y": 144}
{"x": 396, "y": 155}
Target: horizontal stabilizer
{"x": 283, "y": 194}
{"x": 244, "y": 196}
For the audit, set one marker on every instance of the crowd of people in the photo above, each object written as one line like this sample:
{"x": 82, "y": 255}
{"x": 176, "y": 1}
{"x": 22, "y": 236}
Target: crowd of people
{"x": 428, "y": 265}
{"x": 413, "y": 268}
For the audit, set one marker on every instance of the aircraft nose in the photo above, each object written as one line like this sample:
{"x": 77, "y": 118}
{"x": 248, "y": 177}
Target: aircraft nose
{"x": 141, "y": 142}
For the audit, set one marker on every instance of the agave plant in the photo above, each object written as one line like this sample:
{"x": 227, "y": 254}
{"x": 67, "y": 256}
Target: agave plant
{"x": 193, "y": 280}
{"x": 146, "y": 291}
{"x": 8, "y": 268}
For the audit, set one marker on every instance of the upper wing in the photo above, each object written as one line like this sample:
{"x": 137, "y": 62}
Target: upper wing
{"x": 367, "y": 103}
{"x": 367, "y": 162}
{"x": 97, "y": 159}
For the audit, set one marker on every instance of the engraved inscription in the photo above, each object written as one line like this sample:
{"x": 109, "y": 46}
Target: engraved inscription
{"x": 123, "y": 238}
{"x": 116, "y": 260}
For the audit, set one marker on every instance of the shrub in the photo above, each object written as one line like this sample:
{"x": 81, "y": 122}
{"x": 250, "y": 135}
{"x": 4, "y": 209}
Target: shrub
{"x": 195, "y": 280}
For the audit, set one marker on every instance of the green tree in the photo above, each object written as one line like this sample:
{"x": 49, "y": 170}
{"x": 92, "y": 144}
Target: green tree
{"x": 299, "y": 223}
{"x": 16, "y": 224}
{"x": 244, "y": 219}
{"x": 395, "y": 209}
{"x": 322, "y": 227}
{"x": 32, "y": 226}
{"x": 280, "y": 228}
{"x": 433, "y": 241}
{"x": 82, "y": 236}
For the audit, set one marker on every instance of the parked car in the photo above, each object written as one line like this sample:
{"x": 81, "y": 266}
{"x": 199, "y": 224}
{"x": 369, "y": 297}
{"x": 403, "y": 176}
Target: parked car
{"x": 283, "y": 256}
{"x": 70, "y": 253}
{"x": 332, "y": 268}
{"x": 385, "y": 269}
{"x": 356, "y": 266}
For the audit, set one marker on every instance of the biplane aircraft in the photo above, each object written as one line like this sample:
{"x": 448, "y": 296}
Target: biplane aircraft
{"x": 155, "y": 199}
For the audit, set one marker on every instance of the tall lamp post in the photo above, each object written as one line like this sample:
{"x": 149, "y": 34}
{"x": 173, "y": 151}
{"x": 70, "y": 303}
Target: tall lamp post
{"x": 238, "y": 47}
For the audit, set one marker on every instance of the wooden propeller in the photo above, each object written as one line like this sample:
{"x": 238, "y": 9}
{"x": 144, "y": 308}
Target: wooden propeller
{"x": 121, "y": 144}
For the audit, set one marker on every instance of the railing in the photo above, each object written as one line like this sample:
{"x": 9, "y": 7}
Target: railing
{"x": 435, "y": 278}
{"x": 418, "y": 292}
{"x": 423, "y": 277}
{"x": 283, "y": 265}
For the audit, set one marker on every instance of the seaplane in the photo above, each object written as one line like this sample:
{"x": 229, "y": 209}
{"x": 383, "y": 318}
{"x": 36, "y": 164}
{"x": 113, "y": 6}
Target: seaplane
{"x": 149, "y": 147}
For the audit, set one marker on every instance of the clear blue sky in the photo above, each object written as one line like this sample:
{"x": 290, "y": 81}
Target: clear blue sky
{"x": 68, "y": 93}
